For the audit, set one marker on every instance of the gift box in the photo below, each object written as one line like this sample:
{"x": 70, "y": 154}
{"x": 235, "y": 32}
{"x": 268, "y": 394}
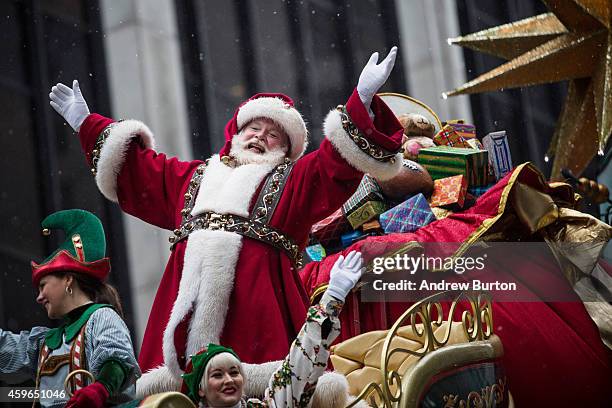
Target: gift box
{"x": 328, "y": 231}
{"x": 449, "y": 191}
{"x": 496, "y": 144}
{"x": 444, "y": 161}
{"x": 447, "y": 136}
{"x": 408, "y": 216}
{"x": 350, "y": 238}
{"x": 464, "y": 130}
{"x": 373, "y": 227}
{"x": 480, "y": 190}
{"x": 315, "y": 252}
{"x": 440, "y": 212}
{"x": 368, "y": 190}
{"x": 365, "y": 213}
{"x": 475, "y": 144}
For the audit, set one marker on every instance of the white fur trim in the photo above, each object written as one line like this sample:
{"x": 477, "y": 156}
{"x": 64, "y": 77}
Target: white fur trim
{"x": 157, "y": 380}
{"x": 226, "y": 189}
{"x": 114, "y": 150}
{"x": 283, "y": 114}
{"x": 331, "y": 391}
{"x": 208, "y": 278}
{"x": 257, "y": 377}
{"x": 360, "y": 404}
{"x": 336, "y": 134}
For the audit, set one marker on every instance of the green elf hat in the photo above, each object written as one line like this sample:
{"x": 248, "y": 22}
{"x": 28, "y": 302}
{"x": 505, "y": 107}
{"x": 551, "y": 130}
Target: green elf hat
{"x": 83, "y": 251}
{"x": 196, "y": 366}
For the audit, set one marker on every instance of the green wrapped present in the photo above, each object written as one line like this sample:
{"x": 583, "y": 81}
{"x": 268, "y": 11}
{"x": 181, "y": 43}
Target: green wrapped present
{"x": 445, "y": 161}
{"x": 365, "y": 213}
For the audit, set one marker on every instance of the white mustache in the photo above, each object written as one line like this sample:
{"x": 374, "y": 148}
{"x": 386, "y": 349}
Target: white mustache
{"x": 257, "y": 145}
{"x": 243, "y": 155}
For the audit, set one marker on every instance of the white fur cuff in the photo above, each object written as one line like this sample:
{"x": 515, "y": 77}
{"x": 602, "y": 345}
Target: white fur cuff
{"x": 336, "y": 134}
{"x": 114, "y": 150}
{"x": 331, "y": 391}
{"x": 157, "y": 380}
{"x": 257, "y": 377}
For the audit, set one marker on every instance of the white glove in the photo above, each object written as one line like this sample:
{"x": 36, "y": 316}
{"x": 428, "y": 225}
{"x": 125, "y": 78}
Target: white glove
{"x": 374, "y": 76}
{"x": 345, "y": 274}
{"x": 70, "y": 104}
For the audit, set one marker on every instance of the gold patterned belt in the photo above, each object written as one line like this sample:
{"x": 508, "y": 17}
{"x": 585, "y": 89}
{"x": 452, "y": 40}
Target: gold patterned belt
{"x": 234, "y": 223}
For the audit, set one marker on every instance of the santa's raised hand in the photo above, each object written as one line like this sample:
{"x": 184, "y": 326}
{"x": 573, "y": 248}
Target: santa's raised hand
{"x": 374, "y": 75}
{"x": 69, "y": 103}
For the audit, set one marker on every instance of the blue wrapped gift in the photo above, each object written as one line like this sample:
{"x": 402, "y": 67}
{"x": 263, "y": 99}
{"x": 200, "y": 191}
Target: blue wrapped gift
{"x": 479, "y": 190}
{"x": 499, "y": 153}
{"x": 350, "y": 237}
{"x": 408, "y": 216}
{"x": 315, "y": 252}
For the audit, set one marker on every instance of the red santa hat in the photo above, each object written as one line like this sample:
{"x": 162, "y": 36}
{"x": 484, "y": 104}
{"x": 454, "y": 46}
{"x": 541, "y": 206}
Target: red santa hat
{"x": 274, "y": 106}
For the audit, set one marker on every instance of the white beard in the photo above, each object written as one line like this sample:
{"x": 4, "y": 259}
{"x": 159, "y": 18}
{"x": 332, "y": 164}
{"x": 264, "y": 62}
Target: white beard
{"x": 245, "y": 156}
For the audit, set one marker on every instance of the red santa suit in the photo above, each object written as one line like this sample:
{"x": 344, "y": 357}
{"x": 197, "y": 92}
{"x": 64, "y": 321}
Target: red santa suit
{"x": 220, "y": 286}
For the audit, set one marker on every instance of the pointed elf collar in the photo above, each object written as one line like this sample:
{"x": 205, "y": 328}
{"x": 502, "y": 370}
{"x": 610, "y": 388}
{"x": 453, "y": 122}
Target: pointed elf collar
{"x": 73, "y": 322}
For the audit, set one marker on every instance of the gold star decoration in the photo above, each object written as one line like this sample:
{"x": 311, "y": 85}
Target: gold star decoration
{"x": 573, "y": 42}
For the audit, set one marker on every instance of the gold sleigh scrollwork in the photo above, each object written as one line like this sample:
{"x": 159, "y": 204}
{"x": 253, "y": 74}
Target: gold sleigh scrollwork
{"x": 424, "y": 318}
{"x": 490, "y": 396}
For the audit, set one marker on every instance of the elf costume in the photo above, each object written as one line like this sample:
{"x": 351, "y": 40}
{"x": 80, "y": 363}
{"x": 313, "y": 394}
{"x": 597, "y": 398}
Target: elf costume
{"x": 91, "y": 337}
{"x": 294, "y": 381}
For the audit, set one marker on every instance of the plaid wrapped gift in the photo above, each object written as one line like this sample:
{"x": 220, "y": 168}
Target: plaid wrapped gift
{"x": 496, "y": 144}
{"x": 365, "y": 213}
{"x": 464, "y": 130}
{"x": 409, "y": 216}
{"x": 329, "y": 230}
{"x": 368, "y": 190}
{"x": 444, "y": 161}
{"x": 315, "y": 252}
{"x": 447, "y": 136}
{"x": 449, "y": 191}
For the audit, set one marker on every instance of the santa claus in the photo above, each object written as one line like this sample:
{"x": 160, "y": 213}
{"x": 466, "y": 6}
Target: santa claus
{"x": 240, "y": 220}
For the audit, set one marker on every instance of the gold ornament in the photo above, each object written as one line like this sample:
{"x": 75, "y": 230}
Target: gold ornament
{"x": 573, "y": 42}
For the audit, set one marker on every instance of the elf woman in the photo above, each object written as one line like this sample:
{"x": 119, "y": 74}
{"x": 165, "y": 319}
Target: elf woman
{"x": 214, "y": 377}
{"x": 92, "y": 336}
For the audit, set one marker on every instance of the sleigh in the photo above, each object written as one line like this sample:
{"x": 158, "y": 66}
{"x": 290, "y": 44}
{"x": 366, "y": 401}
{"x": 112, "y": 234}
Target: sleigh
{"x": 444, "y": 352}
{"x": 428, "y": 358}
